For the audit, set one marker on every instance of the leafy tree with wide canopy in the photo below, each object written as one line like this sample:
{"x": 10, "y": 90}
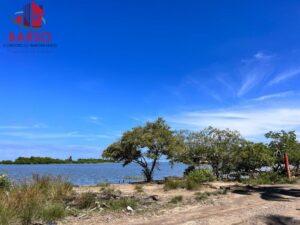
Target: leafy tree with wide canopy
{"x": 284, "y": 142}
{"x": 211, "y": 146}
{"x": 146, "y": 145}
{"x": 251, "y": 157}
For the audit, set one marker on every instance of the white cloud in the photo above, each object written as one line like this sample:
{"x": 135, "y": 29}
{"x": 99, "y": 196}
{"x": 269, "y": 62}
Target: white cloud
{"x": 284, "y": 76}
{"x": 276, "y": 95}
{"x": 250, "y": 121}
{"x": 47, "y": 136}
{"x": 94, "y": 119}
{"x": 22, "y": 127}
{"x": 254, "y": 71}
{"x": 261, "y": 55}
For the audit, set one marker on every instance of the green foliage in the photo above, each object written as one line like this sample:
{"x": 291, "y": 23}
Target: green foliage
{"x": 201, "y": 196}
{"x": 284, "y": 142}
{"x": 176, "y": 199}
{"x": 251, "y": 157}
{"x": 87, "y": 200}
{"x": 171, "y": 184}
{"x": 8, "y": 213}
{"x": 122, "y": 203}
{"x": 52, "y": 212}
{"x": 145, "y": 146}
{"x": 268, "y": 178}
{"x": 48, "y": 160}
{"x": 201, "y": 176}
{"x": 4, "y": 182}
{"x": 30, "y": 201}
{"x": 211, "y": 146}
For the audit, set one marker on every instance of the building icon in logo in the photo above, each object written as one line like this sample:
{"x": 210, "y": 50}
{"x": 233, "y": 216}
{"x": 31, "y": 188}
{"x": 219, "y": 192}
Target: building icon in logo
{"x": 31, "y": 16}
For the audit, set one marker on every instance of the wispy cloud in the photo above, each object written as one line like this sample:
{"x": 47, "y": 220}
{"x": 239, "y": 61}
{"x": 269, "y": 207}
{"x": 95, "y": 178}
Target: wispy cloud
{"x": 262, "y": 55}
{"x": 23, "y": 127}
{"x": 196, "y": 83}
{"x": 276, "y": 95}
{"x": 284, "y": 76}
{"x": 254, "y": 71}
{"x": 250, "y": 121}
{"x": 95, "y": 120}
{"x": 48, "y": 136}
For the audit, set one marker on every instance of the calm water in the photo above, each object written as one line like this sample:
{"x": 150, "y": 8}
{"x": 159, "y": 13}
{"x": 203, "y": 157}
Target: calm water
{"x": 89, "y": 174}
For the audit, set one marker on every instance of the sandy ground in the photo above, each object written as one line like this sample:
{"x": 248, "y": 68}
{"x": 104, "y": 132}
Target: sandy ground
{"x": 269, "y": 205}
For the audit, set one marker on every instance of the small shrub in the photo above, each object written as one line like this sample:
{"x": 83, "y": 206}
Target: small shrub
{"x": 123, "y": 203}
{"x": 139, "y": 188}
{"x": 4, "y": 182}
{"x": 87, "y": 200}
{"x": 201, "y": 196}
{"x": 201, "y": 176}
{"x": 110, "y": 191}
{"x": 191, "y": 185}
{"x": 52, "y": 212}
{"x": 268, "y": 178}
{"x": 174, "y": 184}
{"x": 176, "y": 199}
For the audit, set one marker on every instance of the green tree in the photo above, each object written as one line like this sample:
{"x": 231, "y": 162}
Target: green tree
{"x": 145, "y": 146}
{"x": 284, "y": 142}
{"x": 251, "y": 157}
{"x": 211, "y": 146}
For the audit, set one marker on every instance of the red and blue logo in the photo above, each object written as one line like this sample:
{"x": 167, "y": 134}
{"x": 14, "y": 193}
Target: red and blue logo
{"x": 31, "y": 16}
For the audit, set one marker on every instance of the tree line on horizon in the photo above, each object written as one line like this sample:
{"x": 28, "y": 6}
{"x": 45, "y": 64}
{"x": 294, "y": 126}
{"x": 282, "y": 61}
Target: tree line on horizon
{"x": 49, "y": 160}
{"x": 226, "y": 151}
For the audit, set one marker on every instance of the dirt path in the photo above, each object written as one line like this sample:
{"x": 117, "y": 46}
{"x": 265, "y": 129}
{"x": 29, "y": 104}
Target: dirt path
{"x": 270, "y": 205}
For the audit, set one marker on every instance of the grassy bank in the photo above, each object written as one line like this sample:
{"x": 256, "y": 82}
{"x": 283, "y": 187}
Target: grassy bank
{"x": 45, "y": 200}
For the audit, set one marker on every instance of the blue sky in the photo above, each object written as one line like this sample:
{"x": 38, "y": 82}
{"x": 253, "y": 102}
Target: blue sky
{"x": 118, "y": 64}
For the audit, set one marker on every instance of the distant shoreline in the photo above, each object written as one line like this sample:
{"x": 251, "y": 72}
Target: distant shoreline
{"x": 48, "y": 161}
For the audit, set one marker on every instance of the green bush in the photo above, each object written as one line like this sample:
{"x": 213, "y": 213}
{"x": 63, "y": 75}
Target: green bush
{"x": 123, "y": 203}
{"x": 268, "y": 178}
{"x": 201, "y": 196}
{"x": 176, "y": 199}
{"x": 4, "y": 182}
{"x": 52, "y": 212}
{"x": 191, "y": 184}
{"x": 197, "y": 177}
{"x": 87, "y": 200}
{"x": 174, "y": 184}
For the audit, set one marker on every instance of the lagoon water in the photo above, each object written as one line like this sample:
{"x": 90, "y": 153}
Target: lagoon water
{"x": 90, "y": 174}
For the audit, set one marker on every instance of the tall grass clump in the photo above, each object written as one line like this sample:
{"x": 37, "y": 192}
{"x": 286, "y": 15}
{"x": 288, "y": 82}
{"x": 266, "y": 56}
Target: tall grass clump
{"x": 52, "y": 212}
{"x": 28, "y": 202}
{"x": 171, "y": 184}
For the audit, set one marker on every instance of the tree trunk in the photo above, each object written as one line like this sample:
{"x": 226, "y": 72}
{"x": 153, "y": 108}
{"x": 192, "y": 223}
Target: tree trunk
{"x": 147, "y": 174}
